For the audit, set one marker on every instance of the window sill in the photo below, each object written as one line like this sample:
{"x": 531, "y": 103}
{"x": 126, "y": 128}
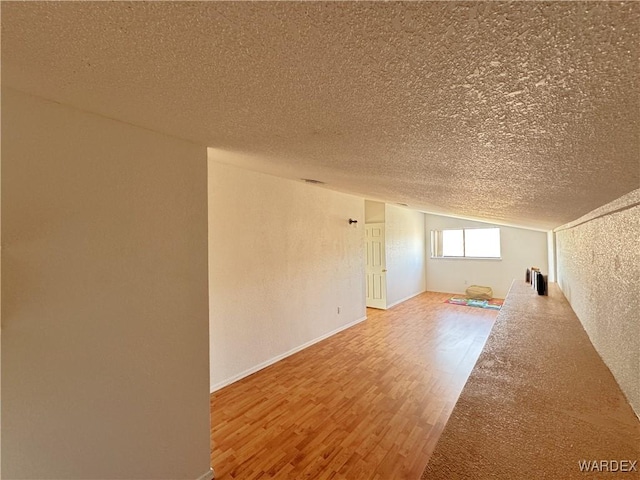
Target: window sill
{"x": 467, "y": 258}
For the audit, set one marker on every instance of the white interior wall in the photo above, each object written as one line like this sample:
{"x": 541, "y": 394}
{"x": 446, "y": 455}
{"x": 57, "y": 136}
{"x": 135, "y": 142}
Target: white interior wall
{"x": 0, "y": 304}
{"x": 551, "y": 254}
{"x": 520, "y": 248}
{"x": 598, "y": 271}
{"x": 405, "y": 253}
{"x": 104, "y": 312}
{"x": 283, "y": 258}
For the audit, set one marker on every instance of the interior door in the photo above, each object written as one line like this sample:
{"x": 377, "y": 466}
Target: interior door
{"x": 376, "y": 269}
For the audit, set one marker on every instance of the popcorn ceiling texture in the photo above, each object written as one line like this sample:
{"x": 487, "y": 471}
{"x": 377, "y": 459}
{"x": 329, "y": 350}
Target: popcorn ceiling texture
{"x": 522, "y": 112}
{"x": 598, "y": 271}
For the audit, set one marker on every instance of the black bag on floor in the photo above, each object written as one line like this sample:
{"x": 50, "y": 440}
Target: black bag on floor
{"x": 541, "y": 283}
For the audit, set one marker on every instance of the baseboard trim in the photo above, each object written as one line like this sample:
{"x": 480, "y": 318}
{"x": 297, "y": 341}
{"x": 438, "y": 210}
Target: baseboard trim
{"x": 210, "y": 475}
{"x": 277, "y": 358}
{"x": 447, "y": 291}
{"x": 464, "y": 293}
{"x": 405, "y": 299}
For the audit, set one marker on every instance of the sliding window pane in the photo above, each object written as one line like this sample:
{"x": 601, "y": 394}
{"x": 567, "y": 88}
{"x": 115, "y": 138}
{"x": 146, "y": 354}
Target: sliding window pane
{"x": 452, "y": 243}
{"x": 482, "y": 242}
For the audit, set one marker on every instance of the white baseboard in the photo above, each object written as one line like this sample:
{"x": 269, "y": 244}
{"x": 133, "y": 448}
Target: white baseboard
{"x": 277, "y": 358}
{"x": 405, "y": 299}
{"x": 446, "y": 291}
{"x": 207, "y": 476}
{"x": 451, "y": 292}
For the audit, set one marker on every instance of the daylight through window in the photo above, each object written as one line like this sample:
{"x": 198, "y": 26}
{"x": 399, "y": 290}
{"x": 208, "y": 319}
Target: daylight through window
{"x": 466, "y": 243}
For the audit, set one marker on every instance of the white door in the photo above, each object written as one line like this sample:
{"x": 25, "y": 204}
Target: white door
{"x": 376, "y": 266}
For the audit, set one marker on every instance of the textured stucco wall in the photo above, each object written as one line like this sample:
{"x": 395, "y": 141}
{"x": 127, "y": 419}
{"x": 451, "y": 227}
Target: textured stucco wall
{"x": 283, "y": 257}
{"x": 598, "y": 271}
{"x": 405, "y": 253}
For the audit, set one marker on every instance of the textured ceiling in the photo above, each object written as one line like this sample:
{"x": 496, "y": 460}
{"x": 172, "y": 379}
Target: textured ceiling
{"x": 525, "y": 113}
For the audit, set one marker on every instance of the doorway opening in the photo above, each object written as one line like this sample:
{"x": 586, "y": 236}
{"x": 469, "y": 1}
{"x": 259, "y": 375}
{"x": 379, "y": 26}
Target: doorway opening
{"x": 375, "y": 255}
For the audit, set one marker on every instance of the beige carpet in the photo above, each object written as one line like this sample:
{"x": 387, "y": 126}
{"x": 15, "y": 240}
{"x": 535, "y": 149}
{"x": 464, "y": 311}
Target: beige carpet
{"x": 538, "y": 401}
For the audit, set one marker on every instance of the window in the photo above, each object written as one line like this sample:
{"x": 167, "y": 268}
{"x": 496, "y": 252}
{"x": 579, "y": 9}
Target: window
{"x": 466, "y": 243}
{"x": 453, "y": 243}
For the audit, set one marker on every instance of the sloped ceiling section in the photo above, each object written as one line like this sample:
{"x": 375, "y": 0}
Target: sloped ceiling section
{"x": 524, "y": 112}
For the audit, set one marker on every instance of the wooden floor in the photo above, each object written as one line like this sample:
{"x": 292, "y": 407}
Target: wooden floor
{"x": 367, "y": 403}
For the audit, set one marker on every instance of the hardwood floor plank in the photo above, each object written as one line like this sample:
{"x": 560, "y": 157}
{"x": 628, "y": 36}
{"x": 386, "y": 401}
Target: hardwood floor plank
{"x": 367, "y": 403}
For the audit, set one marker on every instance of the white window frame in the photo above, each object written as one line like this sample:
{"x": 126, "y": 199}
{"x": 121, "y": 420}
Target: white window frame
{"x": 436, "y": 244}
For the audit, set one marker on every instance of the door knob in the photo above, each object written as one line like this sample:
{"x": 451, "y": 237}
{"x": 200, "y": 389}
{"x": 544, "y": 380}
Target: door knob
{"x": 384, "y": 270}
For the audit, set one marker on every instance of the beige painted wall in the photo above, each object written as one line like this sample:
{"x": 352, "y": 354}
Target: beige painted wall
{"x": 0, "y": 302}
{"x": 104, "y": 312}
{"x": 405, "y": 253}
{"x": 520, "y": 248}
{"x": 598, "y": 270}
{"x": 283, "y": 258}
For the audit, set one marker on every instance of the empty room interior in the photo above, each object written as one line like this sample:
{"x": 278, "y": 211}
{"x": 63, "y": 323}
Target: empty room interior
{"x": 320, "y": 240}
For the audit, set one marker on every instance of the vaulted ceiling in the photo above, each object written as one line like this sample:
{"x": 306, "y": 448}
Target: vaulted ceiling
{"x": 525, "y": 112}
